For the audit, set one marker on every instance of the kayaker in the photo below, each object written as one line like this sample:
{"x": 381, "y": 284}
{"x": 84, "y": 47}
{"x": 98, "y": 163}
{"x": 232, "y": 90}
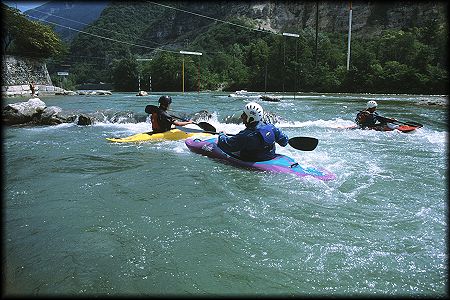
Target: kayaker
{"x": 370, "y": 119}
{"x": 161, "y": 120}
{"x": 257, "y": 141}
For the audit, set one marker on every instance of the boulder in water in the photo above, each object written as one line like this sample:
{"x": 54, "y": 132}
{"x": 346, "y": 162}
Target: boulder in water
{"x": 22, "y": 112}
{"x": 50, "y": 116}
{"x": 269, "y": 98}
{"x": 202, "y": 115}
{"x": 83, "y": 120}
{"x": 142, "y": 93}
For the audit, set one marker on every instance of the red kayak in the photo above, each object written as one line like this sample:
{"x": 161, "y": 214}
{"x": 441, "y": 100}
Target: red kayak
{"x": 402, "y": 128}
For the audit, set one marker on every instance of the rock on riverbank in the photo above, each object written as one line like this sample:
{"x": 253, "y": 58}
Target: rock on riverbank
{"x": 36, "y": 112}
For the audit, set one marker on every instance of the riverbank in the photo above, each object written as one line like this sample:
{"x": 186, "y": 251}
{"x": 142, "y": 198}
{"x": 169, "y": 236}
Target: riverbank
{"x": 46, "y": 90}
{"x": 24, "y": 90}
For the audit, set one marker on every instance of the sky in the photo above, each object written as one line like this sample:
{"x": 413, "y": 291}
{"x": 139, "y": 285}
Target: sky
{"x": 24, "y": 5}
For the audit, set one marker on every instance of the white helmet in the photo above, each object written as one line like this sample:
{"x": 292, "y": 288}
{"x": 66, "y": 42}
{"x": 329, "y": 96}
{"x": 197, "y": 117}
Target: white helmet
{"x": 254, "y": 112}
{"x": 372, "y": 104}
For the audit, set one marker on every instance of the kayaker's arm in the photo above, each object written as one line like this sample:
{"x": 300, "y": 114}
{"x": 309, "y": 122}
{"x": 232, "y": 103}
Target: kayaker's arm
{"x": 229, "y": 143}
{"x": 280, "y": 137}
{"x": 385, "y": 120}
{"x": 182, "y": 123}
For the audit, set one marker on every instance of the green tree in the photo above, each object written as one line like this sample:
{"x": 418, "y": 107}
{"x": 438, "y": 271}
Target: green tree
{"x": 257, "y": 61}
{"x": 125, "y": 74}
{"x": 28, "y": 38}
{"x": 397, "y": 77}
{"x": 166, "y": 72}
{"x": 231, "y": 67}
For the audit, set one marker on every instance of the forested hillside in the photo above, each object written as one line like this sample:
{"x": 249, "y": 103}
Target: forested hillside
{"x": 397, "y": 47}
{"x": 23, "y": 37}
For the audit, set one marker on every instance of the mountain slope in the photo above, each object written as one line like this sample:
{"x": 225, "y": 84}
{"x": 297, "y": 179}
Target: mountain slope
{"x": 174, "y": 24}
{"x": 71, "y": 14}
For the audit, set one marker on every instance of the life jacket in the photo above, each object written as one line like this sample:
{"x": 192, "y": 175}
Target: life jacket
{"x": 366, "y": 119}
{"x": 361, "y": 117}
{"x": 159, "y": 122}
{"x": 155, "y": 122}
{"x": 267, "y": 134}
{"x": 255, "y": 143}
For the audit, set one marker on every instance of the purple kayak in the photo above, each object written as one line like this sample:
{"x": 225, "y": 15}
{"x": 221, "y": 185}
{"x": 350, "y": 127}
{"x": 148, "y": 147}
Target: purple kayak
{"x": 281, "y": 163}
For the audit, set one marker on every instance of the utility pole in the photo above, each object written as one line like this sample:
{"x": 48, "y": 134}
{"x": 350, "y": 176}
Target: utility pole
{"x": 349, "y": 36}
{"x": 198, "y": 83}
{"x": 265, "y": 80}
{"x": 284, "y": 63}
{"x": 317, "y": 28}
{"x": 182, "y": 68}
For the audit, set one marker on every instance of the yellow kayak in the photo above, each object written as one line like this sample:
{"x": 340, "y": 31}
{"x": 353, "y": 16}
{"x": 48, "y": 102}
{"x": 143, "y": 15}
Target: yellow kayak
{"x": 172, "y": 135}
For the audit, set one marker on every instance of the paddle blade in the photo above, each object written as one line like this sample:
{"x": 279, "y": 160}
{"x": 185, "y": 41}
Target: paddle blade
{"x": 303, "y": 143}
{"x": 151, "y": 109}
{"x": 206, "y": 126}
{"x": 409, "y": 123}
{"x": 415, "y": 124}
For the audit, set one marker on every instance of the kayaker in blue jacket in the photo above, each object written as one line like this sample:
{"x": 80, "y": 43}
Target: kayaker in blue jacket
{"x": 257, "y": 141}
{"x": 161, "y": 120}
{"x": 370, "y": 119}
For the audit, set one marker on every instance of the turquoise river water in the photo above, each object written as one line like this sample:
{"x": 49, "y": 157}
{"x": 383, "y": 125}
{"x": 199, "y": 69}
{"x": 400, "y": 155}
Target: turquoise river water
{"x": 84, "y": 216}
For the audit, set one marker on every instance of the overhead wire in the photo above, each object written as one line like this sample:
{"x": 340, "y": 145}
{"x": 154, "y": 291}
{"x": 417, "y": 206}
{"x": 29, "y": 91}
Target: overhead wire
{"x": 211, "y": 18}
{"x": 103, "y": 37}
{"x": 138, "y": 45}
{"x": 93, "y": 26}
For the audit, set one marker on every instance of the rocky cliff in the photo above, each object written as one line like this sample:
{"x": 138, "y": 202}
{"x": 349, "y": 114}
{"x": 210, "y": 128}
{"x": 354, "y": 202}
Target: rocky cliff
{"x": 277, "y": 16}
{"x": 333, "y": 16}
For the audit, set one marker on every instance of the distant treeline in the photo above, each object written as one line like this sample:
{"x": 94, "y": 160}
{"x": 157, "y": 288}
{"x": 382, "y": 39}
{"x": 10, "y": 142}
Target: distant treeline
{"x": 395, "y": 61}
{"x": 411, "y": 60}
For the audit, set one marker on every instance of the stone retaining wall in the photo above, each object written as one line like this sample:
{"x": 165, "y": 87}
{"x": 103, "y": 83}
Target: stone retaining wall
{"x": 19, "y": 72}
{"x": 22, "y": 71}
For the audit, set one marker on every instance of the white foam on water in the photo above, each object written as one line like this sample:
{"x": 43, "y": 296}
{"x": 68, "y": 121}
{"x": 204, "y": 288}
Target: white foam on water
{"x": 52, "y": 127}
{"x": 337, "y": 123}
{"x": 121, "y": 128}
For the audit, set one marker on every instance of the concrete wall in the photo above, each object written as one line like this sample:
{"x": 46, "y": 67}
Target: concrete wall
{"x": 19, "y": 72}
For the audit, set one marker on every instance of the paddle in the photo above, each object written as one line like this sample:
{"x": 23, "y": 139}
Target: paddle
{"x": 414, "y": 124}
{"x": 300, "y": 142}
{"x": 203, "y": 125}
{"x": 303, "y": 143}
{"x": 409, "y": 123}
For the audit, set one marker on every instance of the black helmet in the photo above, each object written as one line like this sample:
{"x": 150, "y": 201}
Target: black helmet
{"x": 165, "y": 100}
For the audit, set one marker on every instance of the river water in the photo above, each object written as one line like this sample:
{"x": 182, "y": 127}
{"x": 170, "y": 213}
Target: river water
{"x": 84, "y": 216}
